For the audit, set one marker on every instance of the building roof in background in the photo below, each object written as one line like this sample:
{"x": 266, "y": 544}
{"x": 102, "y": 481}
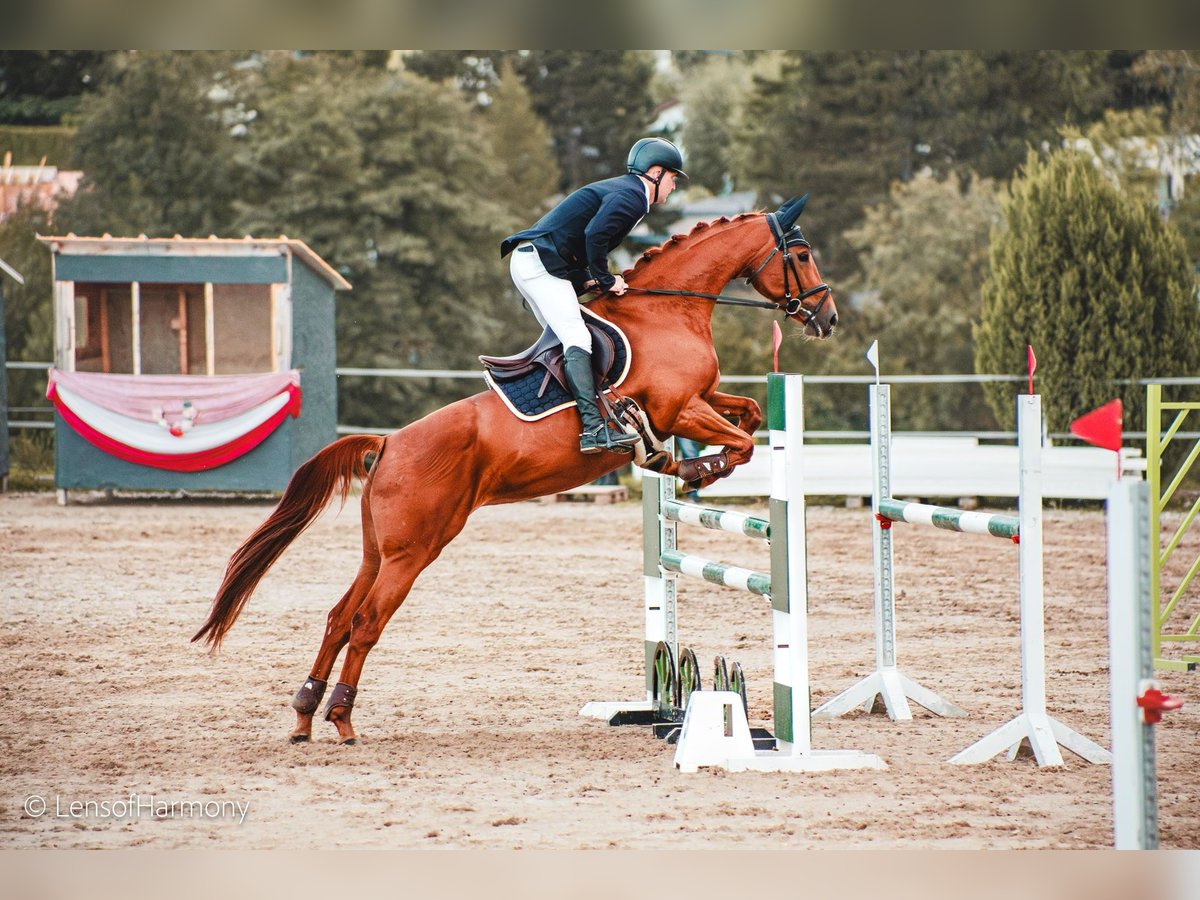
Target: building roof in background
{"x": 714, "y": 207}
{"x": 42, "y": 186}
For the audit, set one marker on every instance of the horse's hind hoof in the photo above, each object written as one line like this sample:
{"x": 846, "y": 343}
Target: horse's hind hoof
{"x": 348, "y": 742}
{"x": 298, "y": 739}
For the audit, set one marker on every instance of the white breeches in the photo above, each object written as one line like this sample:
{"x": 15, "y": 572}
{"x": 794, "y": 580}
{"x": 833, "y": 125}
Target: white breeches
{"x": 552, "y": 299}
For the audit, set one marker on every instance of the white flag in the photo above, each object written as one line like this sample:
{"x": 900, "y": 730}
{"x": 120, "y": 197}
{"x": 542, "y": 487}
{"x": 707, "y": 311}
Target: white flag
{"x": 873, "y": 355}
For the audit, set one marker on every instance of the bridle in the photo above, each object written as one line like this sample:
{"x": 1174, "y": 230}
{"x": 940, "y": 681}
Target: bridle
{"x": 792, "y": 306}
{"x": 784, "y": 241}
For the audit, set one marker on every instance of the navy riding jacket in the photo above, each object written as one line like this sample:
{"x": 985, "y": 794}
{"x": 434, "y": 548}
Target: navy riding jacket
{"x": 575, "y": 238}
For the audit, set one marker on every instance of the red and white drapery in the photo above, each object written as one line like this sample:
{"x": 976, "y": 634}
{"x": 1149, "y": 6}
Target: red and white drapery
{"x": 185, "y": 423}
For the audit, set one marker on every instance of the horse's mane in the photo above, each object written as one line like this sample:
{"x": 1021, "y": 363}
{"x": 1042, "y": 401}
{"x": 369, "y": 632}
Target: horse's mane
{"x": 678, "y": 240}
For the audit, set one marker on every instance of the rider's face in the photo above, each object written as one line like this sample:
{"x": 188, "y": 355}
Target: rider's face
{"x": 666, "y": 186}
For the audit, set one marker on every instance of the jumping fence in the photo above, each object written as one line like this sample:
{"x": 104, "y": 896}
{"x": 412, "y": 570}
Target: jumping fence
{"x": 1176, "y": 608}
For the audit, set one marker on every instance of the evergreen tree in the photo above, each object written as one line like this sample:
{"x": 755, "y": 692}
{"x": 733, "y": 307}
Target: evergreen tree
{"x": 596, "y": 103}
{"x": 845, "y": 125}
{"x": 524, "y": 148}
{"x": 28, "y": 307}
{"x": 41, "y": 87}
{"x": 1097, "y": 283}
{"x": 156, "y": 152}
{"x": 925, "y": 256}
{"x": 715, "y": 92}
{"x": 994, "y": 104}
{"x": 388, "y": 176}
{"x": 840, "y": 125}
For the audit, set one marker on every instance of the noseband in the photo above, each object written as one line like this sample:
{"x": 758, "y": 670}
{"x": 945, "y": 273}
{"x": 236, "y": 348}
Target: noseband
{"x": 784, "y": 241}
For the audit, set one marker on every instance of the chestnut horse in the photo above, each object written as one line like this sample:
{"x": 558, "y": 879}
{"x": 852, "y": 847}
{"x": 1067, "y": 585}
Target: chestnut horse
{"x": 423, "y": 481}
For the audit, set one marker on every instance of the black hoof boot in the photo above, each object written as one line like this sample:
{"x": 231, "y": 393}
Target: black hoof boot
{"x": 343, "y": 695}
{"x": 308, "y": 698}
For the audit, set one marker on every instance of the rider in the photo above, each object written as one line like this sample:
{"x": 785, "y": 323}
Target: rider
{"x": 565, "y": 254}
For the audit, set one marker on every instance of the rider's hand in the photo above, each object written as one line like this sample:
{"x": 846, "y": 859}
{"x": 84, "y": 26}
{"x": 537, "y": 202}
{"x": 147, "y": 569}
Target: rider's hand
{"x": 619, "y": 286}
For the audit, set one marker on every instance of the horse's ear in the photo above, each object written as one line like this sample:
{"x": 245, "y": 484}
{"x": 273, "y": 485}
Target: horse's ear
{"x": 790, "y": 212}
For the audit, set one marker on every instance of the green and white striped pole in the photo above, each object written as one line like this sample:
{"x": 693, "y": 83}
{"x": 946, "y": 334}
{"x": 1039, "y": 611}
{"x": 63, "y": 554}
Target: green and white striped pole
{"x": 789, "y": 564}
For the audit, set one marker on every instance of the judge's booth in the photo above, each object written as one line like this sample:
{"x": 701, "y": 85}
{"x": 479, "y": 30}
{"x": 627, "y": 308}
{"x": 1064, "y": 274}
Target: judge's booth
{"x": 190, "y": 364}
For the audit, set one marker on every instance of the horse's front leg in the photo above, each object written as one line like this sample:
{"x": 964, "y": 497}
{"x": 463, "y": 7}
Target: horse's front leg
{"x": 745, "y": 410}
{"x": 701, "y": 422}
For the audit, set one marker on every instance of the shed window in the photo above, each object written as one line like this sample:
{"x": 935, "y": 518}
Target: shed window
{"x": 103, "y": 328}
{"x": 175, "y": 333}
{"x": 243, "y": 339}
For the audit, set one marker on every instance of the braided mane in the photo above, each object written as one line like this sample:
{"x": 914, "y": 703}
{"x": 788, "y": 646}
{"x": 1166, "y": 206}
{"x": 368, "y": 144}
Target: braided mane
{"x": 678, "y": 240}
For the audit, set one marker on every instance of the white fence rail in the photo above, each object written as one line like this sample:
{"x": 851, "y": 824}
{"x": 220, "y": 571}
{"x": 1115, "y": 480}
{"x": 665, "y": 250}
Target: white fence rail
{"x": 926, "y": 464}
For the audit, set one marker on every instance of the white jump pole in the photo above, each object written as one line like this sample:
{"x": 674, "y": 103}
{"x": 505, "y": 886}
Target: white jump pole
{"x": 1131, "y": 666}
{"x": 1033, "y": 725}
{"x": 887, "y": 683}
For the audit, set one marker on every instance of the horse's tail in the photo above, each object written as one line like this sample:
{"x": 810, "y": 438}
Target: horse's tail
{"x": 307, "y": 494}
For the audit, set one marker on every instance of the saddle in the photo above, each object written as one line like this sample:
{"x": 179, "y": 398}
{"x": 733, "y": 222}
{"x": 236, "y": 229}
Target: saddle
{"x": 533, "y": 384}
{"x": 546, "y": 355}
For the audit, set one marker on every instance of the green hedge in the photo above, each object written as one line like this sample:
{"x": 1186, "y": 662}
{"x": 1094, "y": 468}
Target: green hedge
{"x": 29, "y": 143}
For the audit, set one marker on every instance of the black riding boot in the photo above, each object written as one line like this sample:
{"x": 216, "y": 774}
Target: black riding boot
{"x": 597, "y": 434}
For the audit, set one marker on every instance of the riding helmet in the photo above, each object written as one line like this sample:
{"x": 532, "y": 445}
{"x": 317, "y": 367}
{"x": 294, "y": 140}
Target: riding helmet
{"x": 654, "y": 151}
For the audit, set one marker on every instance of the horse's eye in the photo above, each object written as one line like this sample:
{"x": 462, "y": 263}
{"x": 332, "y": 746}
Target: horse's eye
{"x": 802, "y": 257}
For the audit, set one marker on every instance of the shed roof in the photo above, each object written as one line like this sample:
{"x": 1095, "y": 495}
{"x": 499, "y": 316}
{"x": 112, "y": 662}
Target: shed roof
{"x": 211, "y": 246}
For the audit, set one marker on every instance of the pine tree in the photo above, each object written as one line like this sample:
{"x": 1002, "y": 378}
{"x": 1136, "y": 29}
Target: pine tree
{"x": 28, "y": 307}
{"x": 524, "y": 148}
{"x": 389, "y": 177}
{"x": 924, "y": 253}
{"x": 1097, "y": 283}
{"x": 596, "y": 104}
{"x": 715, "y": 93}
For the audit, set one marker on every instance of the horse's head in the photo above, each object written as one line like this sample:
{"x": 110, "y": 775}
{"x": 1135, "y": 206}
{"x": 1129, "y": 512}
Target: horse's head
{"x": 793, "y": 282}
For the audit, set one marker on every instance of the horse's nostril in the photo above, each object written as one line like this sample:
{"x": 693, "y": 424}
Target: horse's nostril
{"x": 833, "y": 321}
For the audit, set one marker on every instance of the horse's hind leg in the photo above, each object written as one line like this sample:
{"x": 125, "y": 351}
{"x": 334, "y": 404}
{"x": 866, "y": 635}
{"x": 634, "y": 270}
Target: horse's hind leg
{"x": 390, "y": 590}
{"x": 337, "y": 634}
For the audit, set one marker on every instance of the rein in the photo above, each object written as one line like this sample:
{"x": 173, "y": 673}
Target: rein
{"x": 719, "y": 298}
{"x": 792, "y": 306}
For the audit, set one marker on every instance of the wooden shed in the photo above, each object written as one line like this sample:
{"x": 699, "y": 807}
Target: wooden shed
{"x": 190, "y": 364}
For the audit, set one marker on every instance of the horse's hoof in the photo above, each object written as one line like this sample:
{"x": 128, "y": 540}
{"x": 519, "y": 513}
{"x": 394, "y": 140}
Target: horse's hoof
{"x": 298, "y": 739}
{"x": 347, "y": 742}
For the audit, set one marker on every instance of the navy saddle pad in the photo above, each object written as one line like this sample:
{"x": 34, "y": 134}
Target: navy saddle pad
{"x": 536, "y": 393}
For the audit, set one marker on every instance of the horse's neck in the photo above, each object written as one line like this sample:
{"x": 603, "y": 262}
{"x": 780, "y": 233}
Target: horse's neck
{"x": 704, "y": 261}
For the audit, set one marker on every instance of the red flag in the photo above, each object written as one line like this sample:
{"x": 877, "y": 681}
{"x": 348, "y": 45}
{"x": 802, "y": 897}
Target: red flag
{"x": 776, "y": 340}
{"x": 1032, "y": 365}
{"x": 1102, "y": 426}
